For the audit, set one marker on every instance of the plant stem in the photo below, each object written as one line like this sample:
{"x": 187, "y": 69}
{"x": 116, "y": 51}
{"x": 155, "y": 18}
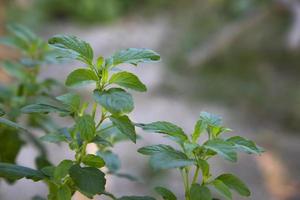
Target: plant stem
{"x": 196, "y": 175}
{"x": 94, "y": 110}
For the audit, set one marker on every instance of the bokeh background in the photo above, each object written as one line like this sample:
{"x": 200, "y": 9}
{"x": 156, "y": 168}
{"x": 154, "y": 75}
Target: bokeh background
{"x": 236, "y": 58}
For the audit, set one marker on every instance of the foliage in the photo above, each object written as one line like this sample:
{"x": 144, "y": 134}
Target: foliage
{"x": 108, "y": 123}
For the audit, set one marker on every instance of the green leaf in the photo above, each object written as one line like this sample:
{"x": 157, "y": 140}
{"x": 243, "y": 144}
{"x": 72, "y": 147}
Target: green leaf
{"x": 86, "y": 127}
{"x": 165, "y": 193}
{"x": 136, "y": 198}
{"x": 165, "y": 128}
{"x": 170, "y": 159}
{"x": 89, "y": 181}
{"x": 222, "y": 189}
{"x": 64, "y": 193}
{"x": 15, "y": 69}
{"x": 133, "y": 56}
{"x": 153, "y": 149}
{"x": 127, "y": 176}
{"x": 235, "y": 183}
{"x": 16, "y": 172}
{"x": 74, "y": 47}
{"x": 223, "y": 148}
{"x": 81, "y": 77}
{"x": 11, "y": 124}
{"x": 210, "y": 119}
{"x": 204, "y": 166}
{"x": 200, "y": 126}
{"x": 2, "y": 112}
{"x": 93, "y": 161}
{"x": 198, "y": 192}
{"x": 126, "y": 127}
{"x": 245, "y": 145}
{"x": 62, "y": 170}
{"x": 11, "y": 144}
{"x": 44, "y": 108}
{"x": 101, "y": 141}
{"x": 112, "y": 161}
{"x": 71, "y": 100}
{"x": 115, "y": 100}
{"x": 128, "y": 80}
{"x": 54, "y": 138}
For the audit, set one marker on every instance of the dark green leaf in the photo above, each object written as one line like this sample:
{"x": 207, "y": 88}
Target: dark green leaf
{"x": 128, "y": 80}
{"x": 112, "y": 161}
{"x": 150, "y": 150}
{"x": 198, "y": 192}
{"x": 164, "y": 128}
{"x": 64, "y": 193}
{"x": 101, "y": 141}
{"x": 223, "y": 148}
{"x": 2, "y": 112}
{"x": 115, "y": 100}
{"x": 16, "y": 172}
{"x": 124, "y": 124}
{"x": 81, "y": 77}
{"x": 222, "y": 189}
{"x": 245, "y": 145}
{"x": 234, "y": 183}
{"x": 93, "y": 161}
{"x": 133, "y": 56}
{"x": 75, "y": 47}
{"x": 90, "y": 181}
{"x": 136, "y": 198}
{"x": 86, "y": 127}
{"x": 62, "y": 170}
{"x": 165, "y": 193}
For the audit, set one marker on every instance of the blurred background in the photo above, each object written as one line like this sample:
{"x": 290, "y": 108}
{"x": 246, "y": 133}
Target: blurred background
{"x": 236, "y": 58}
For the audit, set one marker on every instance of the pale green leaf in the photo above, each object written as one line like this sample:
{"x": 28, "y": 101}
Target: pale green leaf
{"x": 128, "y": 80}
{"x": 80, "y": 77}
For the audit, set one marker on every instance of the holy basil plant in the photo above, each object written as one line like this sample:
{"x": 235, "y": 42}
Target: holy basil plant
{"x": 106, "y": 121}
{"x": 23, "y": 88}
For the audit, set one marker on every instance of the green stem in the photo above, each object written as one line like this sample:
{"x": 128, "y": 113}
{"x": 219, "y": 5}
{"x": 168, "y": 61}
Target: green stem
{"x": 196, "y": 175}
{"x": 94, "y": 110}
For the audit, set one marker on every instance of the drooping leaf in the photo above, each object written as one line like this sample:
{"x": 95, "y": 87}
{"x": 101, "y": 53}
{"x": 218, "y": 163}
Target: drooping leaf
{"x": 223, "y": 148}
{"x": 133, "y": 56}
{"x": 128, "y": 80}
{"x": 112, "y": 161}
{"x": 198, "y": 192}
{"x": 80, "y": 77}
{"x": 136, "y": 198}
{"x": 245, "y": 145}
{"x": 93, "y": 161}
{"x": 153, "y": 149}
{"x": 74, "y": 47}
{"x": 222, "y": 189}
{"x": 86, "y": 126}
{"x": 11, "y": 124}
{"x": 234, "y": 183}
{"x": 124, "y": 124}
{"x": 16, "y": 172}
{"x": 88, "y": 180}
{"x": 165, "y": 193}
{"x": 115, "y": 100}
{"x": 71, "y": 100}
{"x": 165, "y": 128}
{"x": 170, "y": 159}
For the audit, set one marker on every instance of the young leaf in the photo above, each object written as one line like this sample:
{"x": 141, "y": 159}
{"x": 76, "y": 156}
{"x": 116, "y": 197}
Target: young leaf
{"x": 165, "y": 128}
{"x": 86, "y": 127}
{"x": 136, "y": 198}
{"x": 133, "y": 56}
{"x": 198, "y": 192}
{"x": 115, "y": 100}
{"x": 90, "y": 181}
{"x": 124, "y": 124}
{"x": 234, "y": 183}
{"x": 112, "y": 161}
{"x": 81, "y": 77}
{"x": 75, "y": 47}
{"x": 223, "y": 148}
{"x": 64, "y": 193}
{"x": 200, "y": 126}
{"x": 16, "y": 172}
{"x": 165, "y": 193}
{"x": 62, "y": 170}
{"x": 150, "y": 150}
{"x": 210, "y": 119}
{"x": 128, "y": 80}
{"x": 222, "y": 189}
{"x": 71, "y": 100}
{"x": 170, "y": 159}
{"x": 93, "y": 161}
{"x": 245, "y": 145}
